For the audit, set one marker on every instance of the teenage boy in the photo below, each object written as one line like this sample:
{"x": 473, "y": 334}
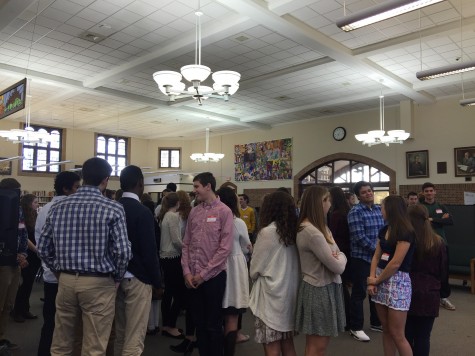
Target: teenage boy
{"x": 247, "y": 215}
{"x": 206, "y": 246}
{"x": 439, "y": 217}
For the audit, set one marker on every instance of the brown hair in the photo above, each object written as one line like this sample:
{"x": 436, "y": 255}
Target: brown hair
{"x": 185, "y": 204}
{"x": 169, "y": 201}
{"x": 279, "y": 207}
{"x": 427, "y": 241}
{"x": 29, "y": 213}
{"x": 396, "y": 217}
{"x": 311, "y": 209}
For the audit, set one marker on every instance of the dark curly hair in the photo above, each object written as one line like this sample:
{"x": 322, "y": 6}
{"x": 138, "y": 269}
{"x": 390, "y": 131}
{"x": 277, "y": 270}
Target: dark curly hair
{"x": 279, "y": 207}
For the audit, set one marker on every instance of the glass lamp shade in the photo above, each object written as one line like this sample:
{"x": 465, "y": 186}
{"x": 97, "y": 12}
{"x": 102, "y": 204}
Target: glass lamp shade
{"x": 175, "y": 89}
{"x": 361, "y": 137}
{"x": 207, "y": 157}
{"x": 167, "y": 77}
{"x": 202, "y": 90}
{"x": 399, "y": 134}
{"x": 222, "y": 90}
{"x": 376, "y": 133}
{"x": 195, "y": 72}
{"x": 386, "y": 139}
{"x": 226, "y": 77}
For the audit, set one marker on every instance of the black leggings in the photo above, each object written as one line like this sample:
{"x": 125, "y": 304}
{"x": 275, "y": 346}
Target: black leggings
{"x": 175, "y": 290}
{"x": 418, "y": 329}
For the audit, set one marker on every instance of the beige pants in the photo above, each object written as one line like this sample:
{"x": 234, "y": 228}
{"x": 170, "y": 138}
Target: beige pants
{"x": 91, "y": 299}
{"x": 131, "y": 316}
{"x": 9, "y": 281}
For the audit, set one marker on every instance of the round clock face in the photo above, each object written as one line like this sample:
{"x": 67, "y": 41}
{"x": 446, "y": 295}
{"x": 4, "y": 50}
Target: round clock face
{"x": 339, "y": 133}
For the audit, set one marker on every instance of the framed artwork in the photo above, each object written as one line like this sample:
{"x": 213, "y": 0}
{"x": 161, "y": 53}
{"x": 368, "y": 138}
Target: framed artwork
{"x": 417, "y": 164}
{"x": 5, "y": 167}
{"x": 266, "y": 160}
{"x": 464, "y": 159}
{"x": 12, "y": 99}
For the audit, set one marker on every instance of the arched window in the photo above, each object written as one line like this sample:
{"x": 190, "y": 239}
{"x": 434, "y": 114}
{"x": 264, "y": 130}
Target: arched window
{"x": 43, "y": 153}
{"x": 114, "y": 150}
{"x": 345, "y": 173}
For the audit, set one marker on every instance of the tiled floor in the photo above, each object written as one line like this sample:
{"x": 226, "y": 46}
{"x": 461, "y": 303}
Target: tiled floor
{"x": 453, "y": 334}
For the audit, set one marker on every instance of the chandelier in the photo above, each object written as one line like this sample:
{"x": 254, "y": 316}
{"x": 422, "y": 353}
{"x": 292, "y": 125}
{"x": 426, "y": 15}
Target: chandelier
{"x": 375, "y": 137}
{"x": 170, "y": 84}
{"x": 207, "y": 156}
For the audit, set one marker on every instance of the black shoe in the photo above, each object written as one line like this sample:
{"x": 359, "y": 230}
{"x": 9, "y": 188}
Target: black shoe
{"x": 29, "y": 315}
{"x": 153, "y": 331}
{"x": 18, "y": 318}
{"x": 8, "y": 344}
{"x": 184, "y": 347}
{"x": 179, "y": 336}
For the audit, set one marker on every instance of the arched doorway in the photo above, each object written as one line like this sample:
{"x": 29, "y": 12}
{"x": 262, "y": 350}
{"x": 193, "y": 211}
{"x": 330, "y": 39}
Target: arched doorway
{"x": 344, "y": 170}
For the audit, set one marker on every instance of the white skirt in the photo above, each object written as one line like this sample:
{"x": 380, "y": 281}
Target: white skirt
{"x": 237, "y": 283}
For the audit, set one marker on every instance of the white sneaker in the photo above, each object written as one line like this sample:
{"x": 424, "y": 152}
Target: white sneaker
{"x": 360, "y": 335}
{"x": 445, "y": 303}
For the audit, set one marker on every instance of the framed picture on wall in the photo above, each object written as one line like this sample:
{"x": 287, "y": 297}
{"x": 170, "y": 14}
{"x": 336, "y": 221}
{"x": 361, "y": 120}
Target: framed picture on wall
{"x": 464, "y": 159}
{"x": 417, "y": 164}
{"x": 5, "y": 167}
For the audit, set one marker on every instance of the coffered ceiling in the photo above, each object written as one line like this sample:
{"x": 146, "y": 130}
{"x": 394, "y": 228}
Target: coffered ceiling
{"x": 295, "y": 63}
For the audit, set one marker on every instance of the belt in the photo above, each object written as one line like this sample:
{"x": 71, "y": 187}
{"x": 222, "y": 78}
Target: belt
{"x": 88, "y": 274}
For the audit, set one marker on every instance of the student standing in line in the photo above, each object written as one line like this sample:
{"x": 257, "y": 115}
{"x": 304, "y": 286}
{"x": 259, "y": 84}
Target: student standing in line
{"x": 236, "y": 295}
{"x": 207, "y": 244}
{"x": 439, "y": 217}
{"x": 275, "y": 272}
{"x": 65, "y": 183}
{"x": 248, "y": 215}
{"x": 428, "y": 272}
{"x": 389, "y": 283}
{"x": 320, "y": 307}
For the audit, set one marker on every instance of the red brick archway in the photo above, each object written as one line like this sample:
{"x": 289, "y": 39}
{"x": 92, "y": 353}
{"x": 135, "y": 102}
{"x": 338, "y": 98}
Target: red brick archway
{"x": 345, "y": 156}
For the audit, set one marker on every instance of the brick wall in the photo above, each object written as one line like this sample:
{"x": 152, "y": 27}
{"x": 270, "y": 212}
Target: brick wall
{"x": 446, "y": 193}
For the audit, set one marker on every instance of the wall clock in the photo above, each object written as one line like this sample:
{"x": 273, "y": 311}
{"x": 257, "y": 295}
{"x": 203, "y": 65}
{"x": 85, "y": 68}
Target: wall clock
{"x": 339, "y": 133}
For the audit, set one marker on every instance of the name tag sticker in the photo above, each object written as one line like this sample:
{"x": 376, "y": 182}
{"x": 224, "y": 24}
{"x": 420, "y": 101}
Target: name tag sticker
{"x": 21, "y": 225}
{"x": 438, "y": 211}
{"x": 385, "y": 256}
{"x": 211, "y": 219}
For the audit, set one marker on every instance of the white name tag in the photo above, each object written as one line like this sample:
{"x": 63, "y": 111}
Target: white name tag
{"x": 211, "y": 219}
{"x": 385, "y": 256}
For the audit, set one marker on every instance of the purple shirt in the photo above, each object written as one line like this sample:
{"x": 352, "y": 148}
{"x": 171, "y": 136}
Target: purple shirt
{"x": 208, "y": 240}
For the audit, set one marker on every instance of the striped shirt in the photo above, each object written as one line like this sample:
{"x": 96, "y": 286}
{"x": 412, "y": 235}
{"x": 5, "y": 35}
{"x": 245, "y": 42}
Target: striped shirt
{"x": 86, "y": 232}
{"x": 364, "y": 224}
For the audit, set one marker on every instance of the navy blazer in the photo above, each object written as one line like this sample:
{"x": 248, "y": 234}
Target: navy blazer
{"x": 144, "y": 264}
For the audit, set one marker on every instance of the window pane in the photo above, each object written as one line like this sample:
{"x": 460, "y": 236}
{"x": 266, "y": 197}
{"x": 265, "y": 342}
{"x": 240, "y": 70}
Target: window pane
{"x": 342, "y": 171}
{"x": 164, "y": 154}
{"x": 324, "y": 174}
{"x": 121, "y": 148}
{"x": 44, "y": 144}
{"x": 359, "y": 172}
{"x": 54, "y": 168}
{"x": 101, "y": 156}
{"x": 42, "y": 156}
{"x": 111, "y": 146}
{"x": 54, "y": 156}
{"x": 175, "y": 158}
{"x": 101, "y": 144}
{"x": 56, "y": 139}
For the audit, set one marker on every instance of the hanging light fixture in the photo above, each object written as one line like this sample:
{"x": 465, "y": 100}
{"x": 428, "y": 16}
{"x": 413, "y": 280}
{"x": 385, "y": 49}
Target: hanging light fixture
{"x": 207, "y": 156}
{"x": 380, "y": 12}
{"x": 375, "y": 137}
{"x": 446, "y": 70}
{"x": 16, "y": 158}
{"x": 467, "y": 102}
{"x": 170, "y": 84}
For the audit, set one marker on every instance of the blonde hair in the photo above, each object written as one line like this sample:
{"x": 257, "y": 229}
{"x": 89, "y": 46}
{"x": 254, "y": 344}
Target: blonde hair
{"x": 311, "y": 209}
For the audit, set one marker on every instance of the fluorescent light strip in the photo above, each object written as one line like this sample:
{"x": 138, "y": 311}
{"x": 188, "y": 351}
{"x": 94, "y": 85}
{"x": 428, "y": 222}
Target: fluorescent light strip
{"x": 446, "y": 70}
{"x": 380, "y": 12}
{"x": 51, "y": 164}
{"x": 467, "y": 102}
{"x": 16, "y": 158}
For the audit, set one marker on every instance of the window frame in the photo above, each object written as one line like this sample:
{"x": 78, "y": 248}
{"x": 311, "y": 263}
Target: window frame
{"x": 61, "y": 150}
{"x": 169, "y": 149}
{"x": 114, "y": 173}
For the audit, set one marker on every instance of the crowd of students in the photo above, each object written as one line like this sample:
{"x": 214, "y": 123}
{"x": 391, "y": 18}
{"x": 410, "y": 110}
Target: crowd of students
{"x": 303, "y": 263}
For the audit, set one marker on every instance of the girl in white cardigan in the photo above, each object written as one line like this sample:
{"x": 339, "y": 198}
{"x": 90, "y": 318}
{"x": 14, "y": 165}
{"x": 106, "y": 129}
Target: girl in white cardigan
{"x": 275, "y": 273}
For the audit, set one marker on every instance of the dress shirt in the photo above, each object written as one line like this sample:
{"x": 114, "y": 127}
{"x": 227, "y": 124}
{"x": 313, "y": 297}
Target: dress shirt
{"x": 86, "y": 232}
{"x": 48, "y": 276}
{"x": 364, "y": 223}
{"x": 208, "y": 240}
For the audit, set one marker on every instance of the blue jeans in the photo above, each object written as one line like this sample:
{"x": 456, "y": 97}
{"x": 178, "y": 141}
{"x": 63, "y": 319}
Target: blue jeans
{"x": 359, "y": 272}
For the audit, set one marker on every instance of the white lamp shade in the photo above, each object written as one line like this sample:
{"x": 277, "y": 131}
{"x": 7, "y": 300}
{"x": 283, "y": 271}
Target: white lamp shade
{"x": 361, "y": 137}
{"x": 386, "y": 139}
{"x": 222, "y": 90}
{"x": 175, "y": 89}
{"x": 376, "y": 133}
{"x": 195, "y": 72}
{"x": 399, "y": 134}
{"x": 167, "y": 77}
{"x": 203, "y": 90}
{"x": 226, "y": 77}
